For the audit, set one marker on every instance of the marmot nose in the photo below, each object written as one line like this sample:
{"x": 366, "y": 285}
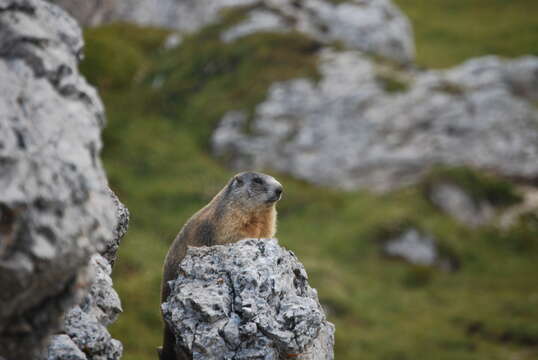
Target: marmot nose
{"x": 278, "y": 192}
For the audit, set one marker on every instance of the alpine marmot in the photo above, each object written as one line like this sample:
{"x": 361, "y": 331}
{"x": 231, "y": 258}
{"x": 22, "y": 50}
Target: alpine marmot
{"x": 244, "y": 208}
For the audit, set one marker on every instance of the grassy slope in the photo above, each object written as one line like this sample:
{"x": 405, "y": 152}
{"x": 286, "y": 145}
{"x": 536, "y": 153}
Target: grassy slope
{"x": 450, "y": 31}
{"x": 156, "y": 157}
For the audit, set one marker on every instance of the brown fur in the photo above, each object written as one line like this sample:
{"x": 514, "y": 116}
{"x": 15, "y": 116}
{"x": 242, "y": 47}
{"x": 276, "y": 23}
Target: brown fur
{"x": 222, "y": 221}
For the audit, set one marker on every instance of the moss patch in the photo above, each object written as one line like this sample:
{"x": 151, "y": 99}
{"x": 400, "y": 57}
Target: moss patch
{"x": 450, "y": 88}
{"x": 391, "y": 75}
{"x": 113, "y": 63}
{"x": 338, "y": 2}
{"x": 522, "y": 236}
{"x": 391, "y": 83}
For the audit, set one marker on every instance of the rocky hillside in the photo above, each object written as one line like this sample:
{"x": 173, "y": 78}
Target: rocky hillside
{"x": 369, "y": 116}
{"x": 289, "y": 89}
{"x": 374, "y": 26}
{"x": 366, "y": 124}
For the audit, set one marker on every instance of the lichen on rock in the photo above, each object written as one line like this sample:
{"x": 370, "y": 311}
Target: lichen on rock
{"x": 247, "y": 300}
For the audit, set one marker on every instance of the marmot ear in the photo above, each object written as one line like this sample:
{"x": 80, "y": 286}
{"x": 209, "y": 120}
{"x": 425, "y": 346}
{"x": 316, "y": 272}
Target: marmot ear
{"x": 237, "y": 182}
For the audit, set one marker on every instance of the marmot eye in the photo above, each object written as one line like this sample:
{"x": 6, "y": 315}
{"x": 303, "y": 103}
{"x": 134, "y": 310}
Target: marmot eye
{"x": 257, "y": 181}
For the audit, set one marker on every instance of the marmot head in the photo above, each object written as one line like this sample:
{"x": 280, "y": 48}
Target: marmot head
{"x": 253, "y": 189}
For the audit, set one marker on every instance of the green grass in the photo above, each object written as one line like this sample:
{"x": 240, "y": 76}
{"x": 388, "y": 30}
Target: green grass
{"x": 161, "y": 107}
{"x": 448, "y": 32}
{"x": 156, "y": 139}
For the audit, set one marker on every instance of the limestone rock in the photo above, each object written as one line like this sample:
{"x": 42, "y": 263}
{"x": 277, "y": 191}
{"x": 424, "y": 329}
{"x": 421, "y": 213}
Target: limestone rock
{"x": 348, "y": 131}
{"x": 373, "y": 26}
{"x": 453, "y": 200}
{"x": 85, "y": 324}
{"x": 247, "y": 300}
{"x": 102, "y": 301}
{"x": 63, "y": 348}
{"x": 413, "y": 247}
{"x": 55, "y": 208}
{"x": 90, "y": 335}
{"x": 417, "y": 248}
{"x": 258, "y": 20}
{"x": 122, "y": 223}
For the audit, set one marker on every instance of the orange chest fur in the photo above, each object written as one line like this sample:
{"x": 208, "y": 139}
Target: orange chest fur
{"x": 260, "y": 225}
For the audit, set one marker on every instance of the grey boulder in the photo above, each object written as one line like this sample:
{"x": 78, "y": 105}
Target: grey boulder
{"x": 454, "y": 201}
{"x": 370, "y": 125}
{"x": 56, "y": 211}
{"x": 420, "y": 249}
{"x": 85, "y": 324}
{"x": 63, "y": 348}
{"x": 247, "y": 300}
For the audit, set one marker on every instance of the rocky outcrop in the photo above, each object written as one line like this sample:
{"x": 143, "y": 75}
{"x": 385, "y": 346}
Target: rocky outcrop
{"x": 373, "y": 26}
{"x": 84, "y": 335}
{"x": 244, "y": 301}
{"x": 418, "y": 248}
{"x": 367, "y": 124}
{"x": 122, "y": 223}
{"x": 412, "y": 246}
{"x": 373, "y": 120}
{"x": 454, "y": 201}
{"x": 56, "y": 211}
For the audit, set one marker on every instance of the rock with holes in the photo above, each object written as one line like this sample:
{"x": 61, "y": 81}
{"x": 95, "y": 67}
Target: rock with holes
{"x": 247, "y": 300}
{"x": 102, "y": 301}
{"x": 56, "y": 211}
{"x": 91, "y": 336}
{"x": 63, "y": 348}
{"x": 85, "y": 324}
{"x": 371, "y": 125}
{"x": 122, "y": 223}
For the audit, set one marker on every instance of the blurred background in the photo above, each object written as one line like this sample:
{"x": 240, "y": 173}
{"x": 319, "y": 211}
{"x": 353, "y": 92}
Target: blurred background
{"x": 408, "y": 158}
